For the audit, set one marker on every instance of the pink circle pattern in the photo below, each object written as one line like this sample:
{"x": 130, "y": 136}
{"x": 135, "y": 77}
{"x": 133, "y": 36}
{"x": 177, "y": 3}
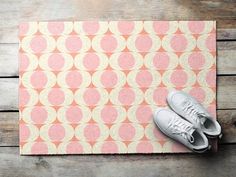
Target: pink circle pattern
{"x": 179, "y": 76}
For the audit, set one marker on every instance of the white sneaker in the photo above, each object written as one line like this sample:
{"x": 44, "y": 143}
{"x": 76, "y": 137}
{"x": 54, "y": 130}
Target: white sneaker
{"x": 188, "y": 107}
{"x": 181, "y": 130}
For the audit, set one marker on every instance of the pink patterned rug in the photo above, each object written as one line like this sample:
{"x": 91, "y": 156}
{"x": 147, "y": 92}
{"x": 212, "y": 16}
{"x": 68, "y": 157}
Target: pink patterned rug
{"x": 91, "y": 87}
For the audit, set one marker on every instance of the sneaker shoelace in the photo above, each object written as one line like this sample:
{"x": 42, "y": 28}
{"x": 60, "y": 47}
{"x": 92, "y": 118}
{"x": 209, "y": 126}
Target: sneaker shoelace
{"x": 180, "y": 128}
{"x": 191, "y": 109}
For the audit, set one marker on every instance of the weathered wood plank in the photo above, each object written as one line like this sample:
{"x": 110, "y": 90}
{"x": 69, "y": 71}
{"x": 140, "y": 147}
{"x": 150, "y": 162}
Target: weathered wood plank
{"x": 9, "y": 130}
{"x": 226, "y": 34}
{"x": 15, "y": 11}
{"x": 226, "y": 61}
{"x": 227, "y": 119}
{"x": 9, "y": 93}
{"x": 226, "y": 93}
{"x": 9, "y": 134}
{"x": 8, "y": 60}
{"x": 198, "y": 165}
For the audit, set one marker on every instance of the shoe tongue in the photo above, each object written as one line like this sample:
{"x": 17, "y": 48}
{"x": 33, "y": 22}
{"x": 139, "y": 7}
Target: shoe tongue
{"x": 190, "y": 135}
{"x": 202, "y": 121}
{"x": 191, "y": 131}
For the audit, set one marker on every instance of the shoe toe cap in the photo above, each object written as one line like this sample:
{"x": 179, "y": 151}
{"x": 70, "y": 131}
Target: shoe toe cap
{"x": 176, "y": 98}
{"x": 162, "y": 117}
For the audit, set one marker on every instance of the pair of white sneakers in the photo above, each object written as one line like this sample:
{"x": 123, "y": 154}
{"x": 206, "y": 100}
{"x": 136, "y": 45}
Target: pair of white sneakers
{"x": 188, "y": 122}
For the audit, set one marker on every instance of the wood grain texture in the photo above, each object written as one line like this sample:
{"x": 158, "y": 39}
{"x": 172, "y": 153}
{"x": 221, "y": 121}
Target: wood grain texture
{"x": 227, "y": 119}
{"x": 9, "y": 130}
{"x": 226, "y": 93}
{"x": 9, "y": 93}
{"x": 8, "y": 60}
{"x": 226, "y": 34}
{"x": 192, "y": 165}
{"x": 226, "y": 59}
{"x": 15, "y": 11}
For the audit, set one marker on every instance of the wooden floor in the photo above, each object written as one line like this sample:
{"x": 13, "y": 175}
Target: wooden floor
{"x": 219, "y": 164}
